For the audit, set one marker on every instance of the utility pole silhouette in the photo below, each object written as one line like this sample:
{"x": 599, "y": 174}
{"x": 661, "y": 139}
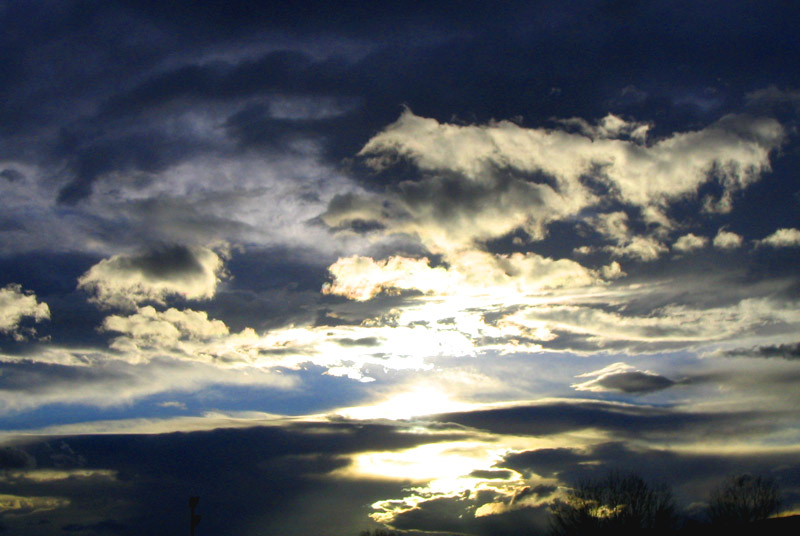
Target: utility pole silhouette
{"x": 194, "y": 519}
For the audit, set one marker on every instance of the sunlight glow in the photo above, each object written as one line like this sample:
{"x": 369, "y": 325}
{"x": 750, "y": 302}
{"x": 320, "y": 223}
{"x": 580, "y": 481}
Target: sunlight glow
{"x": 419, "y": 401}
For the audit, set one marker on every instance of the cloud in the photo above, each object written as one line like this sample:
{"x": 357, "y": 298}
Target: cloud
{"x": 690, "y": 242}
{"x": 16, "y": 305}
{"x": 470, "y": 273}
{"x": 167, "y": 326}
{"x": 11, "y": 174}
{"x": 623, "y": 378}
{"x": 727, "y": 240}
{"x": 18, "y": 505}
{"x": 470, "y": 513}
{"x": 297, "y": 460}
{"x": 782, "y": 238}
{"x": 550, "y": 418}
{"x": 362, "y": 278}
{"x": 670, "y": 326}
{"x": 610, "y": 127}
{"x": 124, "y": 281}
{"x": 173, "y": 404}
{"x": 106, "y": 525}
{"x": 639, "y": 247}
{"x": 613, "y": 225}
{"x": 15, "y": 458}
{"x": 782, "y": 351}
{"x": 772, "y": 96}
{"x": 692, "y": 472}
{"x": 612, "y": 271}
{"x": 476, "y": 303}
{"x": 528, "y": 177}
{"x": 190, "y": 335}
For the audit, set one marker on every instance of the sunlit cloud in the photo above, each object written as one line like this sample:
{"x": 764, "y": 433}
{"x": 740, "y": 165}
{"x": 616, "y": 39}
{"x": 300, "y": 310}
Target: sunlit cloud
{"x": 16, "y": 505}
{"x": 126, "y": 280}
{"x": 624, "y": 378}
{"x": 469, "y": 273}
{"x": 416, "y": 402}
{"x": 15, "y": 305}
{"x": 736, "y": 148}
{"x": 782, "y": 238}
{"x": 689, "y": 242}
{"x": 727, "y": 240}
{"x": 639, "y": 248}
{"x": 51, "y": 475}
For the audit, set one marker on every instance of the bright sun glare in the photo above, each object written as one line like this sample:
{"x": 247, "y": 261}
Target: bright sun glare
{"x": 413, "y": 403}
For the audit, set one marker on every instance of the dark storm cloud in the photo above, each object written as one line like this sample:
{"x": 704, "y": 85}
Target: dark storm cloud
{"x": 623, "y": 420}
{"x": 148, "y": 152}
{"x": 491, "y": 475}
{"x": 684, "y": 470}
{"x": 106, "y": 526}
{"x": 544, "y": 462}
{"x": 148, "y": 478}
{"x": 364, "y": 341}
{"x": 156, "y": 60}
{"x": 285, "y": 70}
{"x": 165, "y": 262}
{"x": 11, "y": 174}
{"x": 32, "y": 378}
{"x": 457, "y": 515}
{"x": 782, "y": 351}
{"x": 15, "y": 458}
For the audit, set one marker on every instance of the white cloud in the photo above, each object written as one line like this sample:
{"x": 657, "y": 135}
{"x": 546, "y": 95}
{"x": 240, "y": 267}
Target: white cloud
{"x": 727, "y": 240}
{"x": 613, "y": 225}
{"x": 736, "y": 149}
{"x": 614, "y": 368}
{"x": 639, "y": 247}
{"x": 612, "y": 271}
{"x": 782, "y": 238}
{"x": 362, "y": 278}
{"x": 469, "y": 273}
{"x": 182, "y": 334}
{"x": 16, "y": 305}
{"x": 484, "y": 181}
{"x": 166, "y": 327}
{"x": 668, "y": 326}
{"x": 689, "y": 242}
{"x": 610, "y": 127}
{"x": 127, "y": 280}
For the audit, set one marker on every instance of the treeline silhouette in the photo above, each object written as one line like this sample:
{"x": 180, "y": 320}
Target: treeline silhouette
{"x": 624, "y": 504}
{"x": 618, "y": 504}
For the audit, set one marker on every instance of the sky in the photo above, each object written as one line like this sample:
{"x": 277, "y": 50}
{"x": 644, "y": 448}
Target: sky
{"x": 335, "y": 267}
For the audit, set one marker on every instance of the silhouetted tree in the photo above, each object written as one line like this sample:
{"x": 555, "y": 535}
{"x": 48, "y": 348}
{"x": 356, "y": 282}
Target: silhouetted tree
{"x": 744, "y": 499}
{"x": 614, "y": 504}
